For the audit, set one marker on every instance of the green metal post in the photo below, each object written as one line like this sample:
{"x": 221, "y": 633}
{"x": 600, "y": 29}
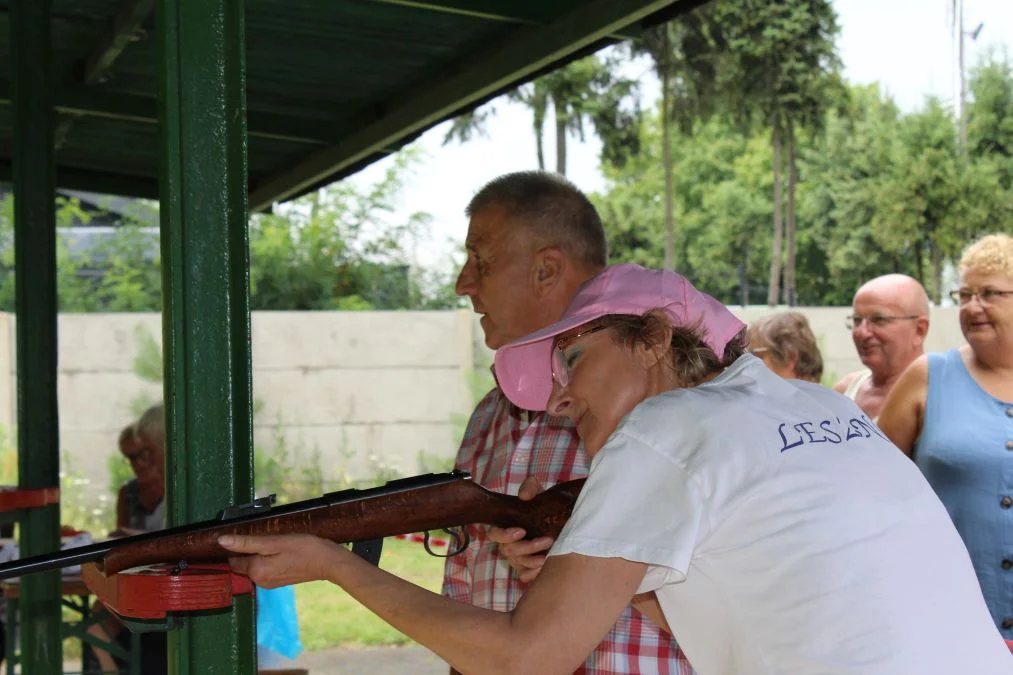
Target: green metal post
{"x": 35, "y": 276}
{"x": 206, "y": 314}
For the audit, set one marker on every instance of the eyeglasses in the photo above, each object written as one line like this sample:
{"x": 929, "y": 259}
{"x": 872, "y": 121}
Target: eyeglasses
{"x": 854, "y": 321}
{"x": 560, "y": 368}
{"x": 144, "y": 453}
{"x": 989, "y": 296}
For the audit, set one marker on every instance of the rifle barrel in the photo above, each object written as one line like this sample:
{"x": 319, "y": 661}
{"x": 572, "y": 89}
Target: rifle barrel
{"x": 56, "y": 560}
{"x": 97, "y": 551}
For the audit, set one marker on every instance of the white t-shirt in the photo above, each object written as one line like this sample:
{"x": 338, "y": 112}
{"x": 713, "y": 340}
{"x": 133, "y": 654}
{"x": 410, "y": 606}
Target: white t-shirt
{"x": 785, "y": 535}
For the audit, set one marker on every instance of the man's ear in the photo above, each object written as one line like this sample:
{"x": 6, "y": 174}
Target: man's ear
{"x": 548, "y": 268}
{"x": 658, "y": 339}
{"x": 921, "y": 329}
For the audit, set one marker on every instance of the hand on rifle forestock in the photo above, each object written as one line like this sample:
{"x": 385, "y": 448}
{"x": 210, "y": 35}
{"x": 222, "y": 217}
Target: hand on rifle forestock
{"x": 280, "y": 560}
{"x": 526, "y": 557}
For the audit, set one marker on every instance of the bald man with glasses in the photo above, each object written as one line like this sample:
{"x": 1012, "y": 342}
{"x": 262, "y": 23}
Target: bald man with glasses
{"x": 888, "y": 322}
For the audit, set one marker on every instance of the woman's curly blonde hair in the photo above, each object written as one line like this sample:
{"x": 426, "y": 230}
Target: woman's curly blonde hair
{"x": 992, "y": 254}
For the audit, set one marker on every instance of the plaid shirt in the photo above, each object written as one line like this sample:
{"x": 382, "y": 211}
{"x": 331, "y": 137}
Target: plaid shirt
{"x": 502, "y": 446}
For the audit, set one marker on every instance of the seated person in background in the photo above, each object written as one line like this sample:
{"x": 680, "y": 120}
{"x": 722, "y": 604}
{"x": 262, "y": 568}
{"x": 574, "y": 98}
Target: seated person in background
{"x": 765, "y": 522}
{"x": 787, "y": 345}
{"x": 140, "y": 505}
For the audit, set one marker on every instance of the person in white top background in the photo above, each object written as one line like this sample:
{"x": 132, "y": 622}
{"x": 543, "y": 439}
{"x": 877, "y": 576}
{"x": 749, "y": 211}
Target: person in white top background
{"x": 766, "y": 523}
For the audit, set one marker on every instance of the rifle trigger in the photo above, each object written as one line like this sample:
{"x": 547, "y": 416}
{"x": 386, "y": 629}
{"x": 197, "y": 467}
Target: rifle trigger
{"x": 369, "y": 550}
{"x": 256, "y": 506}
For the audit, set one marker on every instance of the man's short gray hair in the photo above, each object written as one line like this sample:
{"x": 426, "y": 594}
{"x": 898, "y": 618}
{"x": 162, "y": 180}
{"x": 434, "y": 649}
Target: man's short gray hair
{"x": 557, "y": 212}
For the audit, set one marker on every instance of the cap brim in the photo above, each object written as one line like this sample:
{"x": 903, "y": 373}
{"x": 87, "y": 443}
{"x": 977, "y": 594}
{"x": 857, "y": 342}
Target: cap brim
{"x": 524, "y": 368}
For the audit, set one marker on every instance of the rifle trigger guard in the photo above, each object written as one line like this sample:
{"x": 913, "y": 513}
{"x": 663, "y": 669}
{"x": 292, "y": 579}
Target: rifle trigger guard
{"x": 256, "y": 506}
{"x": 459, "y": 540}
{"x": 369, "y": 550}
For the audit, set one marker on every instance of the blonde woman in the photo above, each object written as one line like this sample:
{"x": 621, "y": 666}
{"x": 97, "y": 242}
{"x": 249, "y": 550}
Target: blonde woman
{"x": 953, "y": 413}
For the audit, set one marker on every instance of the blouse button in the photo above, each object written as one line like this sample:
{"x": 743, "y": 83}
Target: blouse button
{"x": 1009, "y": 445}
{"x": 1006, "y": 502}
{"x": 1007, "y": 623}
{"x": 1006, "y": 564}
{"x": 1009, "y": 412}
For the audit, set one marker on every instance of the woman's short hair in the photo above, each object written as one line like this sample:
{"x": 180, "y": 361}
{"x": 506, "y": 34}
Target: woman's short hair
{"x": 788, "y": 335}
{"x": 693, "y": 360}
{"x": 992, "y": 254}
{"x": 152, "y": 424}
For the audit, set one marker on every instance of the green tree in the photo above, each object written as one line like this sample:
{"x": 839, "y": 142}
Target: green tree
{"x": 338, "y": 248}
{"x": 683, "y": 54}
{"x": 887, "y": 192}
{"x": 587, "y": 91}
{"x": 780, "y": 71}
{"x": 937, "y": 199}
{"x": 847, "y": 168}
{"x": 917, "y": 208}
{"x": 119, "y": 274}
{"x": 721, "y": 181}
{"x": 990, "y": 116}
{"x": 883, "y": 192}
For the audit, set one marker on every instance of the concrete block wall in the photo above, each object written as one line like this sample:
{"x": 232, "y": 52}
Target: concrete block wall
{"x": 370, "y": 391}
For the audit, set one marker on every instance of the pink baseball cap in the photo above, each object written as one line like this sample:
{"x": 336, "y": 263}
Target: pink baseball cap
{"x": 523, "y": 368}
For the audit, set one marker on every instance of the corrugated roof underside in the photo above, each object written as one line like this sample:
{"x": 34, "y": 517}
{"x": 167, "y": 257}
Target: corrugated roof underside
{"x": 317, "y": 71}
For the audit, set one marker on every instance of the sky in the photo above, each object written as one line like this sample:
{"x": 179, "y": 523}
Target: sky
{"x": 905, "y": 45}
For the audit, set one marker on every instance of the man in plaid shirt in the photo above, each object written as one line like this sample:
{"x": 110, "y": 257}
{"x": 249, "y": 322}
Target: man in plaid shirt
{"x": 533, "y": 239}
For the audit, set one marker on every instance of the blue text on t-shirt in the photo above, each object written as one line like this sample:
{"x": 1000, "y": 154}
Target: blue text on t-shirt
{"x": 832, "y": 430}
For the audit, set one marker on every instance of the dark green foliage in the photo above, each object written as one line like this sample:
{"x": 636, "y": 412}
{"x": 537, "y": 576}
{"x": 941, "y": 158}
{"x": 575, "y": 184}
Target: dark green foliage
{"x": 781, "y": 63}
{"x": 781, "y": 72}
{"x": 685, "y": 56}
{"x": 879, "y": 191}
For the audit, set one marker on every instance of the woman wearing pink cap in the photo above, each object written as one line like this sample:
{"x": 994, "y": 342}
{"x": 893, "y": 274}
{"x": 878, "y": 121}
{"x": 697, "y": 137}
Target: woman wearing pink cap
{"x": 767, "y": 523}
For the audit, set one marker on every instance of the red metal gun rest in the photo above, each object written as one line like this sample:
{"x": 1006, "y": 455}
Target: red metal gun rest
{"x": 13, "y": 499}
{"x": 154, "y": 591}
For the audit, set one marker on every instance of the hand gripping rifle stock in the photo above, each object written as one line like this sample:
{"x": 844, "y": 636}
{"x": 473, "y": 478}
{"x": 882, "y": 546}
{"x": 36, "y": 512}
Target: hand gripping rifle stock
{"x": 404, "y": 506}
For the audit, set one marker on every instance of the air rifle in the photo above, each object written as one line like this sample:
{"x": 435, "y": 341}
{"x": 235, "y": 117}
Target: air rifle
{"x": 404, "y": 506}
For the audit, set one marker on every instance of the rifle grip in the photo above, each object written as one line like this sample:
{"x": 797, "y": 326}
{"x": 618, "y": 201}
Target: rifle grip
{"x": 546, "y": 514}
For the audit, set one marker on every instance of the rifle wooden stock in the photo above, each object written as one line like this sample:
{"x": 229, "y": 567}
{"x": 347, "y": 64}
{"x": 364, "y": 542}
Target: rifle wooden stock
{"x": 399, "y": 507}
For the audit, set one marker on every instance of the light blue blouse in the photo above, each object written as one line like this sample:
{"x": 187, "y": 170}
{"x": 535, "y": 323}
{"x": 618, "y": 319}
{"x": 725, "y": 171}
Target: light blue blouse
{"x": 966, "y": 453}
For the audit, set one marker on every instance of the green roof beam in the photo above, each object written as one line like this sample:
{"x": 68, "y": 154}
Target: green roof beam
{"x": 93, "y": 180}
{"x": 124, "y": 29}
{"x": 96, "y": 67}
{"x": 84, "y": 101}
{"x": 487, "y": 10}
